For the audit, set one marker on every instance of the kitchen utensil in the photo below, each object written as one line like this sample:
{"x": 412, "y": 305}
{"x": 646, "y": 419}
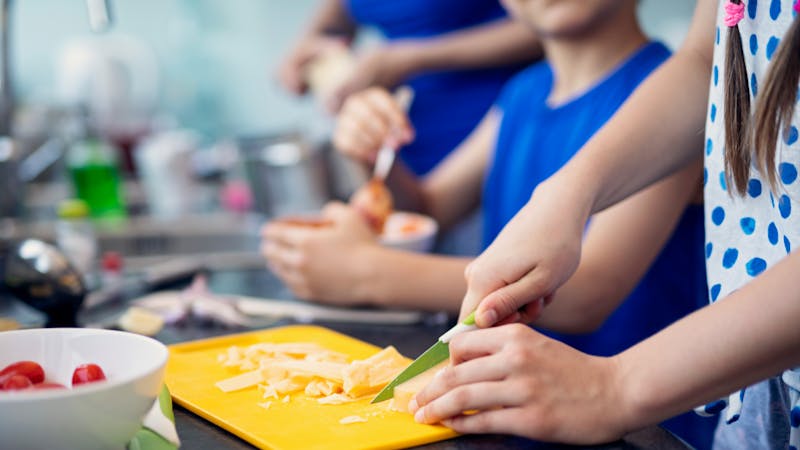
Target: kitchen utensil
{"x": 102, "y": 415}
{"x": 306, "y": 312}
{"x": 300, "y": 423}
{"x": 437, "y": 353}
{"x": 383, "y": 162}
{"x": 287, "y": 174}
{"x": 40, "y": 275}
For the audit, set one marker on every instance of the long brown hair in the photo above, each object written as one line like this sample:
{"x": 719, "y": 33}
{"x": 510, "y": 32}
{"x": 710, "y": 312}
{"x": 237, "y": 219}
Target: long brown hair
{"x": 774, "y": 109}
{"x": 737, "y": 113}
{"x": 775, "y": 106}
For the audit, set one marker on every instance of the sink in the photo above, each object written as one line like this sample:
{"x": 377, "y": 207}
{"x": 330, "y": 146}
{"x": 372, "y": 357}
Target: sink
{"x": 218, "y": 240}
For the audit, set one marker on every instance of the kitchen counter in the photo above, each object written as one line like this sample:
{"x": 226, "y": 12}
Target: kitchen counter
{"x": 411, "y": 340}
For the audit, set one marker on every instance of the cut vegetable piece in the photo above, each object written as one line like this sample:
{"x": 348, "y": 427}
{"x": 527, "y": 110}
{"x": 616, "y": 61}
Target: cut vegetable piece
{"x": 242, "y": 381}
{"x": 403, "y": 393}
{"x": 370, "y": 375}
{"x": 351, "y": 419}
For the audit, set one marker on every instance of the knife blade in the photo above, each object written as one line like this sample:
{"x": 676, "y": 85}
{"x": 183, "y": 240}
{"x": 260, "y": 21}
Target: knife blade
{"x": 437, "y": 353}
{"x": 383, "y": 162}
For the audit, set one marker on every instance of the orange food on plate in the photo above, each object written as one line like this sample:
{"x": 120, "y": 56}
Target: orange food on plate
{"x": 374, "y": 202}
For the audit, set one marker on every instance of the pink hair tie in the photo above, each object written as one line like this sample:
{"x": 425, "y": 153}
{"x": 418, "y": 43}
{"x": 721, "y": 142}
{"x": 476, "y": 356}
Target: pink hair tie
{"x": 734, "y": 12}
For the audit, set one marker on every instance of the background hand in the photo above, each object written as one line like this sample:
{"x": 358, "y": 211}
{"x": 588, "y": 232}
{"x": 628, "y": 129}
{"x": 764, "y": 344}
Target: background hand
{"x": 324, "y": 263}
{"x": 367, "y": 119}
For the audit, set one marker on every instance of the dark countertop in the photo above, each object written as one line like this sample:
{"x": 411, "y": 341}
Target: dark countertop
{"x": 198, "y": 434}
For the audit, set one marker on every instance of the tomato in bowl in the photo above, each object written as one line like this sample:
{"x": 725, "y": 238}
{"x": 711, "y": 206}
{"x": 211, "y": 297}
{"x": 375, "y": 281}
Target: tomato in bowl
{"x": 94, "y": 413}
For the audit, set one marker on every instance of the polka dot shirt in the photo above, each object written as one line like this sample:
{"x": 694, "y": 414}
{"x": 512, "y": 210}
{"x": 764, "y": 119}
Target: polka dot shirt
{"x": 746, "y": 236}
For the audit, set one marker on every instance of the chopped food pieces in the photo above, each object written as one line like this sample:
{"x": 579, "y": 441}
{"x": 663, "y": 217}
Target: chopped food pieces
{"x": 282, "y": 369}
{"x": 403, "y": 393}
{"x": 351, "y": 419}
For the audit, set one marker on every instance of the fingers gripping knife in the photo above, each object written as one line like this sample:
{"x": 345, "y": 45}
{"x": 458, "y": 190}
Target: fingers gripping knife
{"x": 437, "y": 353}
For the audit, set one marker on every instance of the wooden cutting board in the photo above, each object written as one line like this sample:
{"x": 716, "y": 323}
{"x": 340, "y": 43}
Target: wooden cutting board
{"x": 302, "y": 423}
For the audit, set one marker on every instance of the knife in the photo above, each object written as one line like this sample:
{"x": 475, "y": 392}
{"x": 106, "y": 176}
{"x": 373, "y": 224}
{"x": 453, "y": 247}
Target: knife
{"x": 437, "y": 353}
{"x": 385, "y": 158}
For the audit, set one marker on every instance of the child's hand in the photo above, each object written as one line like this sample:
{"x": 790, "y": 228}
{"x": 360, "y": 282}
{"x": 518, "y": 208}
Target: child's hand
{"x": 537, "y": 251}
{"x": 325, "y": 260}
{"x": 521, "y": 382}
{"x": 367, "y": 120}
{"x": 292, "y": 70}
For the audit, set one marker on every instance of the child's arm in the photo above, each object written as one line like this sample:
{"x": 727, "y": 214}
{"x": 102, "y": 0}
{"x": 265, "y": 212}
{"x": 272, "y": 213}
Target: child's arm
{"x": 658, "y": 130}
{"x": 552, "y": 392}
{"x": 620, "y": 245}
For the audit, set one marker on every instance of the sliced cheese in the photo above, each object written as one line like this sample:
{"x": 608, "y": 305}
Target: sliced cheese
{"x": 403, "y": 393}
{"x": 242, "y": 381}
{"x": 370, "y": 375}
{"x": 351, "y": 419}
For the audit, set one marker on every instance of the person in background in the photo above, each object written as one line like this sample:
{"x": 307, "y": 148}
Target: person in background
{"x": 738, "y": 72}
{"x": 454, "y": 54}
{"x": 642, "y": 267}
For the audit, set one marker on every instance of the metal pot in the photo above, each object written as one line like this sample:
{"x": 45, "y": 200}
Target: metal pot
{"x": 286, "y": 173}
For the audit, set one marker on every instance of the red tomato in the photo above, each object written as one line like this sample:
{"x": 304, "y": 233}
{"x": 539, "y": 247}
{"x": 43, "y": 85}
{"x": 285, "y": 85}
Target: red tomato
{"x": 48, "y": 385}
{"x": 17, "y": 382}
{"x": 87, "y": 373}
{"x": 27, "y": 369}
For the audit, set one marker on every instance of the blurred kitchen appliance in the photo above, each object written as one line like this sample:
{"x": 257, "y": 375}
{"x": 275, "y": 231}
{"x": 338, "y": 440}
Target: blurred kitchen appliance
{"x": 40, "y": 275}
{"x": 287, "y": 174}
{"x": 10, "y": 183}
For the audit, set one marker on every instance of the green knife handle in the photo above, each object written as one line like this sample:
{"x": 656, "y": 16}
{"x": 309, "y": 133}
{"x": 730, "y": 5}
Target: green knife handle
{"x": 467, "y": 324}
{"x": 470, "y": 320}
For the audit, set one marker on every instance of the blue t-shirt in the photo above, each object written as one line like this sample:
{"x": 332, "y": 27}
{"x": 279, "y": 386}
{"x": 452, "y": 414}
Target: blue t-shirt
{"x": 447, "y": 104}
{"x": 534, "y": 141}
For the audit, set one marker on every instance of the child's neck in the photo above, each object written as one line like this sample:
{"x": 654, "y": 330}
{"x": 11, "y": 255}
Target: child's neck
{"x": 580, "y": 62}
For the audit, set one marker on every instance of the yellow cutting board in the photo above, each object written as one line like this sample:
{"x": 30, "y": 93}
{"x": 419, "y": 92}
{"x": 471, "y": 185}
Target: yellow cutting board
{"x": 302, "y": 423}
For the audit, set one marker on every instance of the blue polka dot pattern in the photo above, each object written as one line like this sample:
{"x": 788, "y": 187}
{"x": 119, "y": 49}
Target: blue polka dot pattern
{"x": 771, "y": 200}
{"x": 791, "y": 135}
{"x": 705, "y": 176}
{"x": 713, "y": 114}
{"x": 772, "y": 233}
{"x": 709, "y": 249}
{"x": 717, "y": 37}
{"x": 718, "y": 215}
{"x": 772, "y": 45}
{"x": 754, "y": 188}
{"x": 716, "y": 75}
{"x": 794, "y": 417}
{"x": 753, "y": 84}
{"x": 752, "y": 5}
{"x": 775, "y": 9}
{"x": 755, "y": 266}
{"x": 723, "y": 184}
{"x": 716, "y": 407}
{"x": 753, "y": 44}
{"x": 787, "y": 245}
{"x": 748, "y": 225}
{"x": 785, "y": 206}
{"x": 709, "y": 146}
{"x": 714, "y": 291}
{"x": 788, "y": 172}
{"x": 729, "y": 258}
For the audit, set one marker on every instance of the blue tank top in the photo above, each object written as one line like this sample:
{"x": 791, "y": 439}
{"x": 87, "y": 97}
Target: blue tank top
{"x": 534, "y": 141}
{"x": 447, "y": 104}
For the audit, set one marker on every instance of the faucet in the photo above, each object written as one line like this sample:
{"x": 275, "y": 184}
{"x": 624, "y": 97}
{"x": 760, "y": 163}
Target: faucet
{"x": 99, "y": 20}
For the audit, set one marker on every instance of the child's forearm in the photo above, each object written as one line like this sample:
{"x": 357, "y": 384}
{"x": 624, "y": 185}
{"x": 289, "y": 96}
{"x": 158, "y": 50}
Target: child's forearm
{"x": 658, "y": 130}
{"x": 415, "y": 280}
{"x": 748, "y": 336}
{"x": 331, "y": 18}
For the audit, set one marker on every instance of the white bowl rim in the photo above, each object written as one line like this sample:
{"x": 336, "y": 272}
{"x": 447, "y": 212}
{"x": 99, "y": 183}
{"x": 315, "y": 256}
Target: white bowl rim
{"x": 431, "y": 229}
{"x": 27, "y": 395}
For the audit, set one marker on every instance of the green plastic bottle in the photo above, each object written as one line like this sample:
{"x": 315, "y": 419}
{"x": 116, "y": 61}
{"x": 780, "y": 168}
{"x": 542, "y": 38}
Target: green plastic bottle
{"x": 94, "y": 171}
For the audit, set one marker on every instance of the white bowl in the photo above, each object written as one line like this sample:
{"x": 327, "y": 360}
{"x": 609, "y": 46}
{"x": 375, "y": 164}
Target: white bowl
{"x": 101, "y": 415}
{"x": 409, "y": 231}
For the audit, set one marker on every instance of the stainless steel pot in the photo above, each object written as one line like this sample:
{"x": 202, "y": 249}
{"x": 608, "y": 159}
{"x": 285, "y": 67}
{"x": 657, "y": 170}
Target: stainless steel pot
{"x": 287, "y": 174}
